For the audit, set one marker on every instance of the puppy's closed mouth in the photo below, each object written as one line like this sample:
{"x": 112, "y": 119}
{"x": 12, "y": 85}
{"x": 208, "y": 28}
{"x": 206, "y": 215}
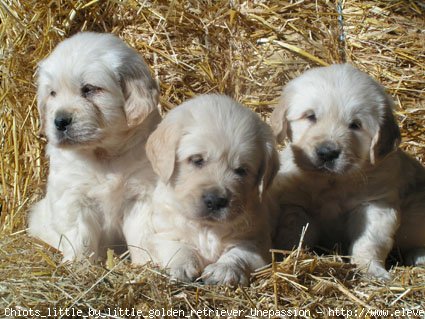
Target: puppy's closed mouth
{"x": 217, "y": 216}
{"x": 327, "y": 167}
{"x": 332, "y": 168}
{"x": 71, "y": 138}
{"x": 222, "y": 216}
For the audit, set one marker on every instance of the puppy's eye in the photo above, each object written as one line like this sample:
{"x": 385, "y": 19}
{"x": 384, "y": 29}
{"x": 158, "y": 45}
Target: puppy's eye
{"x": 241, "y": 171}
{"x": 89, "y": 89}
{"x": 197, "y": 160}
{"x": 355, "y": 125}
{"x": 310, "y": 116}
{"x": 53, "y": 93}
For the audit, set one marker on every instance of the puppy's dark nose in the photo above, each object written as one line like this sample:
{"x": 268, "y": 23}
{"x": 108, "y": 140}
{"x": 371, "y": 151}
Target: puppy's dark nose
{"x": 215, "y": 200}
{"x": 62, "y": 121}
{"x": 327, "y": 152}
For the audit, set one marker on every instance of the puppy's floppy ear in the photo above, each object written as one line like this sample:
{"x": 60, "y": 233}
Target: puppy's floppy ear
{"x": 388, "y": 137}
{"x": 140, "y": 90}
{"x": 278, "y": 119}
{"x": 161, "y": 149}
{"x": 269, "y": 167}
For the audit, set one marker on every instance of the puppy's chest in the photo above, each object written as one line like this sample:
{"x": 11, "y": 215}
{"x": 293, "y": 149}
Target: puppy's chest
{"x": 209, "y": 245}
{"x": 113, "y": 190}
{"x": 332, "y": 200}
{"x": 107, "y": 192}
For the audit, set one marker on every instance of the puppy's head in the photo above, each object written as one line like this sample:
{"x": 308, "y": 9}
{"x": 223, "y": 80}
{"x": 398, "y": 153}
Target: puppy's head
{"x": 91, "y": 88}
{"x": 337, "y": 119}
{"x": 215, "y": 155}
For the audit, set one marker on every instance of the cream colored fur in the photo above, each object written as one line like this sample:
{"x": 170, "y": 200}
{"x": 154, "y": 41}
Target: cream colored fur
{"x": 360, "y": 199}
{"x": 209, "y": 143}
{"x": 98, "y": 166}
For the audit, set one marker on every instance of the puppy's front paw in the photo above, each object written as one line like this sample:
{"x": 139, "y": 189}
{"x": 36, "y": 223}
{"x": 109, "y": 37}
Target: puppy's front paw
{"x": 376, "y": 269}
{"x": 380, "y": 274}
{"x": 185, "y": 272}
{"x": 225, "y": 274}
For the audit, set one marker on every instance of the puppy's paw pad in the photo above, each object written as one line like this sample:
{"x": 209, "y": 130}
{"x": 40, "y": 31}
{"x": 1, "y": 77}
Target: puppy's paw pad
{"x": 225, "y": 274}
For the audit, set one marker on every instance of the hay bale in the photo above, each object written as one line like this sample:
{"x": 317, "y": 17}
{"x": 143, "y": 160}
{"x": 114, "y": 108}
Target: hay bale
{"x": 247, "y": 49}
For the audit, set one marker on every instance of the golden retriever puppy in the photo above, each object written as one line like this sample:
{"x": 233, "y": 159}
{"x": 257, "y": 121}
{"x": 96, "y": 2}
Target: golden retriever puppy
{"x": 215, "y": 159}
{"x": 98, "y": 104}
{"x": 342, "y": 171}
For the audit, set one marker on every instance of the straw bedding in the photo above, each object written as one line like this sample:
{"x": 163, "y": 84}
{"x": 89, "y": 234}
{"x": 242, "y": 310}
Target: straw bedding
{"x": 247, "y": 49}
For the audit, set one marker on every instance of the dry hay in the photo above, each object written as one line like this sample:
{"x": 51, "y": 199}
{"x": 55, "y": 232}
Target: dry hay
{"x": 247, "y": 49}
{"x": 313, "y": 286}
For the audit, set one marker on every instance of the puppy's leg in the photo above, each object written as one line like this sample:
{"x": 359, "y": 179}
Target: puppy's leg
{"x": 411, "y": 235}
{"x": 71, "y": 228}
{"x": 78, "y": 225}
{"x": 40, "y": 224}
{"x": 183, "y": 263}
{"x": 81, "y": 237}
{"x": 144, "y": 244}
{"x": 181, "y": 260}
{"x": 137, "y": 230}
{"x": 372, "y": 229}
{"x": 235, "y": 266}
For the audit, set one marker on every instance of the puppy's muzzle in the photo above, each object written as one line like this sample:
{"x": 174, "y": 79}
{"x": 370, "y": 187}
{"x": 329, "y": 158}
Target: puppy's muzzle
{"x": 216, "y": 199}
{"x": 63, "y": 121}
{"x": 327, "y": 152}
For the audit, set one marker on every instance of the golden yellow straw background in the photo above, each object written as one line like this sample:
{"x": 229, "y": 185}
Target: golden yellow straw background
{"x": 246, "y": 49}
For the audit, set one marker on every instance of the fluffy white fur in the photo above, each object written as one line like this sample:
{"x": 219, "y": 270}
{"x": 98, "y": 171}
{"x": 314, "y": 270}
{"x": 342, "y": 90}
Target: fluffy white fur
{"x": 208, "y": 145}
{"x": 98, "y": 165}
{"x": 360, "y": 198}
